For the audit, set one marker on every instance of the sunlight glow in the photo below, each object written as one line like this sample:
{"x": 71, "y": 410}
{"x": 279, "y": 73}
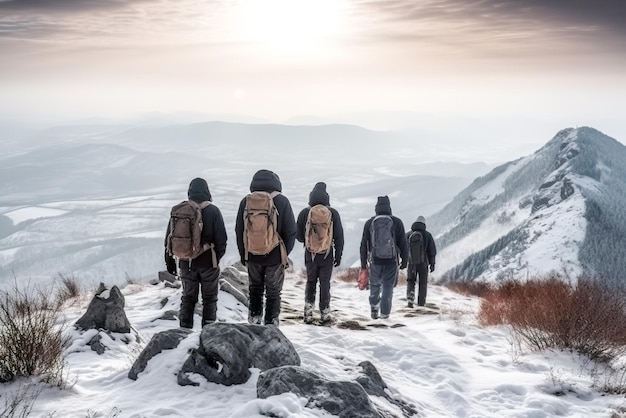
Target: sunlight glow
{"x": 289, "y": 27}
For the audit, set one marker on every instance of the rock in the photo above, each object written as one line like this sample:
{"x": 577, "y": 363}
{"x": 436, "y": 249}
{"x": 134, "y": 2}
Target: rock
{"x": 227, "y": 352}
{"x": 96, "y": 344}
{"x": 374, "y": 385}
{"x": 166, "y": 276}
{"x": 341, "y": 398}
{"x": 168, "y": 316}
{"x": 233, "y": 282}
{"x": 165, "y": 340}
{"x": 240, "y": 267}
{"x": 105, "y": 313}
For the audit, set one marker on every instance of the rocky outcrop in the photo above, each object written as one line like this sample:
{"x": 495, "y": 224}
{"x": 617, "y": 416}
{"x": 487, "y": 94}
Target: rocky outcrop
{"x": 165, "y": 340}
{"x": 341, "y": 398}
{"x": 105, "y": 312}
{"x": 234, "y": 282}
{"x": 228, "y": 351}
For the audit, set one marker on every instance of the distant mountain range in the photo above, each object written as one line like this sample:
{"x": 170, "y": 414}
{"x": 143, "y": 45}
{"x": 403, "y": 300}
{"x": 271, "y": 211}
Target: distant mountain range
{"x": 560, "y": 209}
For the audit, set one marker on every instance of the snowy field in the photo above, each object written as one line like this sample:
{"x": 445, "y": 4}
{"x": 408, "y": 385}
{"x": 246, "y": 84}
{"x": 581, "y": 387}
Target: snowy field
{"x": 440, "y": 360}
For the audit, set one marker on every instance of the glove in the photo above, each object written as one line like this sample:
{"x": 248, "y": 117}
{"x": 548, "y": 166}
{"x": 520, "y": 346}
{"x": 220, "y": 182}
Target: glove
{"x": 170, "y": 264}
{"x": 403, "y": 265}
{"x": 337, "y": 262}
{"x": 432, "y": 268}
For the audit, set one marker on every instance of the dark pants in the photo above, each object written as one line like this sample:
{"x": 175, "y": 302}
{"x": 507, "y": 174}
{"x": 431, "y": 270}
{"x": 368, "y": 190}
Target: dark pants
{"x": 382, "y": 280}
{"x": 318, "y": 269}
{"x": 415, "y": 271}
{"x": 194, "y": 280}
{"x": 268, "y": 280}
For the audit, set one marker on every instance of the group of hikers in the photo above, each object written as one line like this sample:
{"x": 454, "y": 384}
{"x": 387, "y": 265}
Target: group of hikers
{"x": 266, "y": 231}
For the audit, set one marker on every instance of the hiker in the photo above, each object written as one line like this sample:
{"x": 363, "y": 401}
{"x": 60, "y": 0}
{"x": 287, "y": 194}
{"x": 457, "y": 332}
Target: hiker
{"x": 198, "y": 263}
{"x": 320, "y": 229}
{"x": 383, "y": 241}
{"x": 266, "y": 232}
{"x": 422, "y": 252}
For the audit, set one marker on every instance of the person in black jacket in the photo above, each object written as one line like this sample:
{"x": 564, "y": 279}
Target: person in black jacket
{"x": 383, "y": 271}
{"x": 320, "y": 266}
{"x": 420, "y": 269}
{"x": 201, "y": 273}
{"x": 266, "y": 273}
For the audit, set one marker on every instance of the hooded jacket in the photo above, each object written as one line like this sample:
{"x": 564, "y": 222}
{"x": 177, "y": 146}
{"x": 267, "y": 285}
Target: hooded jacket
{"x": 213, "y": 230}
{"x": 319, "y": 196}
{"x": 429, "y": 241}
{"x": 383, "y": 207}
{"x": 268, "y": 181}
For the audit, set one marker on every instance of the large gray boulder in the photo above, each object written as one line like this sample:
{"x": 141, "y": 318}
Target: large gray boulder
{"x": 105, "y": 312}
{"x": 228, "y": 351}
{"x": 341, "y": 398}
{"x": 165, "y": 340}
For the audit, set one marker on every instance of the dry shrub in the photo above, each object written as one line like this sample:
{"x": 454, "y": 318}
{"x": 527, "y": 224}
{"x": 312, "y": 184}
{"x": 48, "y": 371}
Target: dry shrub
{"x": 31, "y": 341}
{"x": 349, "y": 275}
{"x": 69, "y": 288}
{"x": 473, "y": 288}
{"x": 550, "y": 313}
{"x": 20, "y": 403}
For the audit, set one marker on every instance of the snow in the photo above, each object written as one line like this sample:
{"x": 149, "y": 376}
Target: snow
{"x": 20, "y": 215}
{"x": 495, "y": 187}
{"x": 444, "y": 363}
{"x": 486, "y": 234}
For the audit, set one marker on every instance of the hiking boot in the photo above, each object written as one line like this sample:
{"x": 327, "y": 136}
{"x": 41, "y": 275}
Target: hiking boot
{"x": 308, "y": 313}
{"x": 255, "y": 320}
{"x": 384, "y": 316}
{"x": 374, "y": 313}
{"x": 410, "y": 304}
{"x": 325, "y": 316}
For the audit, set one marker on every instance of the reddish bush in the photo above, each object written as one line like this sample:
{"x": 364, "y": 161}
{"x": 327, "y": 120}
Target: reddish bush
{"x": 551, "y": 313}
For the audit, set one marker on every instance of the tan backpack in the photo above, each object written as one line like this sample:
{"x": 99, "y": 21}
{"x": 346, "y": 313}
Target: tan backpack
{"x": 261, "y": 225}
{"x": 185, "y": 233}
{"x": 318, "y": 234}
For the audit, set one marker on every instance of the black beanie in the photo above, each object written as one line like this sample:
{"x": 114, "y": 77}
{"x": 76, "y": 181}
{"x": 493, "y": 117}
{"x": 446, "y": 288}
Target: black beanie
{"x": 383, "y": 206}
{"x": 318, "y": 195}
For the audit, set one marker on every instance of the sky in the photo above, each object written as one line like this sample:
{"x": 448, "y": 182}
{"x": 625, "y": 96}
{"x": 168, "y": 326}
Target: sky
{"x": 551, "y": 62}
{"x": 438, "y": 359}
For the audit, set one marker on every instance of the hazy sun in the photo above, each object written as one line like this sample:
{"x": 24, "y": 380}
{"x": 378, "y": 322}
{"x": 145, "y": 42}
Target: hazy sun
{"x": 291, "y": 27}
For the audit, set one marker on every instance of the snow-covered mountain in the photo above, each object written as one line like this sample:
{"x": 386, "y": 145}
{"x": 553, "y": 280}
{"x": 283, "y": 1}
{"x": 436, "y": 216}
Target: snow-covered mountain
{"x": 561, "y": 209}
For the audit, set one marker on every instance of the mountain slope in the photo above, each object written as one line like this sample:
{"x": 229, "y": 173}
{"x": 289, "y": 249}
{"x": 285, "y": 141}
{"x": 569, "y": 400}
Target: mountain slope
{"x": 559, "y": 209}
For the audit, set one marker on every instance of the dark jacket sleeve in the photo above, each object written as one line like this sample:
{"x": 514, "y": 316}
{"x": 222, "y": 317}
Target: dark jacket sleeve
{"x": 365, "y": 243}
{"x": 218, "y": 231}
{"x": 301, "y": 224}
{"x": 287, "y": 224}
{"x": 337, "y": 234}
{"x": 239, "y": 227}
{"x": 401, "y": 242}
{"x": 431, "y": 249}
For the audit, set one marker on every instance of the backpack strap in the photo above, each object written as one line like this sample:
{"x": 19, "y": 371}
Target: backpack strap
{"x": 283, "y": 249}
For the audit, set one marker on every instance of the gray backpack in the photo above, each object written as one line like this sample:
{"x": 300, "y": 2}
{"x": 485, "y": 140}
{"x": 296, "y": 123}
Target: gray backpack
{"x": 417, "y": 250}
{"x": 383, "y": 240}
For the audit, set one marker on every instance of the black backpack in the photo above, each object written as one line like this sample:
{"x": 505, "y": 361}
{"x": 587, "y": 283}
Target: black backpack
{"x": 383, "y": 240}
{"x": 417, "y": 248}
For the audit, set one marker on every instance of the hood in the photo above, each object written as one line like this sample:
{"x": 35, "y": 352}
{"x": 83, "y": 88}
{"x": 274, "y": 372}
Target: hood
{"x": 418, "y": 226}
{"x": 383, "y": 206}
{"x": 199, "y": 190}
{"x": 318, "y": 195}
{"x": 265, "y": 181}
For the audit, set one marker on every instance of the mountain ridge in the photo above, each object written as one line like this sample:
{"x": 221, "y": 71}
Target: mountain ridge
{"x": 550, "y": 211}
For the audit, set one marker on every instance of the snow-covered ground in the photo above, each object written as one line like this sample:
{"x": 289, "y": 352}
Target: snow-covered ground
{"x": 441, "y": 361}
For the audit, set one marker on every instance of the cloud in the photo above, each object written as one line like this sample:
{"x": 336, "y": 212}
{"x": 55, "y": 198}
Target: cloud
{"x": 65, "y": 6}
